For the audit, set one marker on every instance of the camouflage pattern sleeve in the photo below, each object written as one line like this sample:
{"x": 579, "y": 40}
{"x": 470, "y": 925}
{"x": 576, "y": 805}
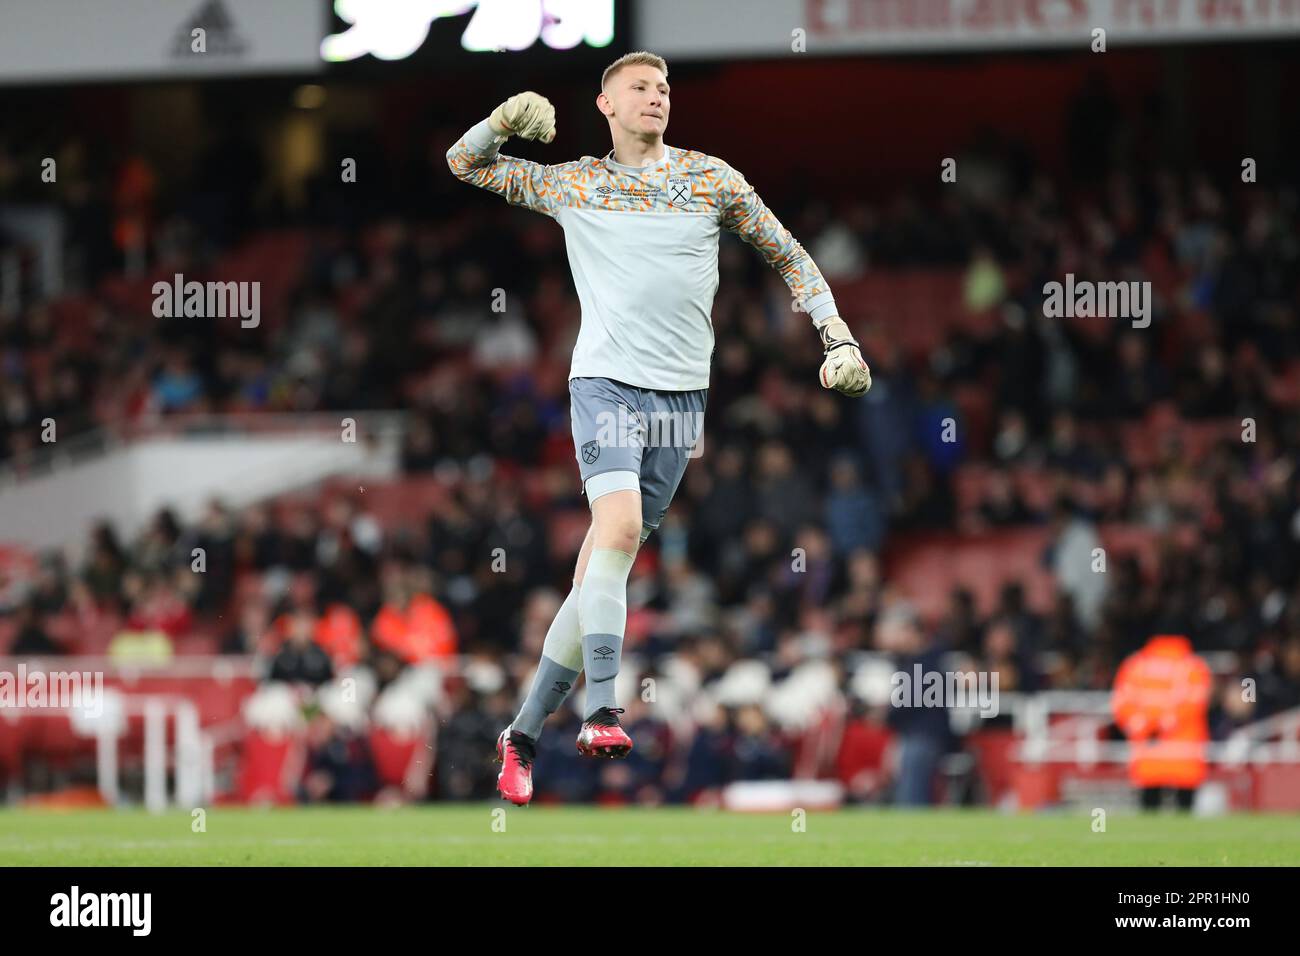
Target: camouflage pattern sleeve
{"x": 474, "y": 159}
{"x": 745, "y": 214}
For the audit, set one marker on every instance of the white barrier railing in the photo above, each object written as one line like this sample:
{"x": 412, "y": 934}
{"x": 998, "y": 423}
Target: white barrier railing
{"x": 1075, "y": 739}
{"x": 192, "y": 754}
{"x": 105, "y": 713}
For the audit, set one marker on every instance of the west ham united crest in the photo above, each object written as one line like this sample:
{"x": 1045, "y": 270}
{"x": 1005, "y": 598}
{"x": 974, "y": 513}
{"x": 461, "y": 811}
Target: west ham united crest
{"x": 679, "y": 190}
{"x": 590, "y": 452}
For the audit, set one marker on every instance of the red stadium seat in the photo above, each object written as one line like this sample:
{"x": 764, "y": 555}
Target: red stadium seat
{"x": 861, "y": 750}
{"x": 266, "y": 771}
{"x": 394, "y": 754}
{"x": 994, "y": 752}
{"x": 926, "y": 568}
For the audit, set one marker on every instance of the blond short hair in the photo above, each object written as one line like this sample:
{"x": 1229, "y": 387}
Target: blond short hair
{"x": 639, "y": 58}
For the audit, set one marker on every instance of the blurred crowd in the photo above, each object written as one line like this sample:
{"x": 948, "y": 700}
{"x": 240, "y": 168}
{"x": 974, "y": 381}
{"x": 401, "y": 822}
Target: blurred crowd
{"x": 398, "y": 313}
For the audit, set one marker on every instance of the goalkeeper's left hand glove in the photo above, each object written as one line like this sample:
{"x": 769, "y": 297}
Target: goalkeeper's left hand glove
{"x": 844, "y": 368}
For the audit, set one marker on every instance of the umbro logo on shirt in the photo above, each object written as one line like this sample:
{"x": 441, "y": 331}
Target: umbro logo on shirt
{"x": 604, "y": 652}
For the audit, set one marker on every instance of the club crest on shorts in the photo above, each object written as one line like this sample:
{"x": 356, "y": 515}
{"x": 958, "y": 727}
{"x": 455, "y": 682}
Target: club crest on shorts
{"x": 679, "y": 190}
{"x": 590, "y": 451}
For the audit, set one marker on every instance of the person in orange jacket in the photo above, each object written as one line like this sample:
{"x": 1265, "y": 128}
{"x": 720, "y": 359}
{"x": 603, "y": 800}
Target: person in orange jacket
{"x": 1160, "y": 701}
{"x": 412, "y": 624}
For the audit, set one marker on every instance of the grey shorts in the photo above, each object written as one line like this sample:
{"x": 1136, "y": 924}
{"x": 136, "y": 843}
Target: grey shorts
{"x": 628, "y": 438}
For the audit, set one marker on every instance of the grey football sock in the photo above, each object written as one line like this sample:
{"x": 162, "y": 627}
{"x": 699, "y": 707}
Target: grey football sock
{"x": 551, "y": 685}
{"x": 602, "y": 608}
{"x": 602, "y": 653}
{"x": 564, "y": 637}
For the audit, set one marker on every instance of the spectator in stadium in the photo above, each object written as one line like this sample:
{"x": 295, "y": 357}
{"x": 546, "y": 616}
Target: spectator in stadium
{"x": 1001, "y": 505}
{"x": 32, "y": 639}
{"x": 340, "y": 767}
{"x": 106, "y": 563}
{"x": 700, "y": 771}
{"x": 465, "y": 738}
{"x": 161, "y": 602}
{"x": 960, "y": 629}
{"x": 923, "y": 733}
{"x": 1233, "y": 706}
{"x": 561, "y": 773}
{"x": 1281, "y": 691}
{"x": 1072, "y": 556}
{"x": 854, "y": 516}
{"x": 246, "y": 636}
{"x": 756, "y": 751}
{"x": 301, "y": 660}
{"x": 214, "y": 536}
{"x": 412, "y": 624}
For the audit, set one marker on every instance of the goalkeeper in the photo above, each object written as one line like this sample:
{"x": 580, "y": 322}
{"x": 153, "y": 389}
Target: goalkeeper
{"x": 641, "y": 228}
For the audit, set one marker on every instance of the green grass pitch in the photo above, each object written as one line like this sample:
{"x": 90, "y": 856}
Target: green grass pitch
{"x": 463, "y": 835}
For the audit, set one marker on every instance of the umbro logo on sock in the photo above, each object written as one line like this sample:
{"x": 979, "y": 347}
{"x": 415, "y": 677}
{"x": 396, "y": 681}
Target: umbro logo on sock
{"x": 562, "y": 686}
{"x": 604, "y": 652}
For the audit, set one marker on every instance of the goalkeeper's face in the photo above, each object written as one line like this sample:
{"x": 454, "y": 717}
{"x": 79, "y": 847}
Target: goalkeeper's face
{"x": 636, "y": 99}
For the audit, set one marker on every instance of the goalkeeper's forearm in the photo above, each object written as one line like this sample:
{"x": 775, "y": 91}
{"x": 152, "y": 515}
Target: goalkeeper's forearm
{"x": 477, "y": 148}
{"x": 820, "y": 307}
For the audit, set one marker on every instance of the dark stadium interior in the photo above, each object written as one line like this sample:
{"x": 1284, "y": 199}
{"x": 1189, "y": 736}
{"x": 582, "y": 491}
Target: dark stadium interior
{"x": 1073, "y": 434}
